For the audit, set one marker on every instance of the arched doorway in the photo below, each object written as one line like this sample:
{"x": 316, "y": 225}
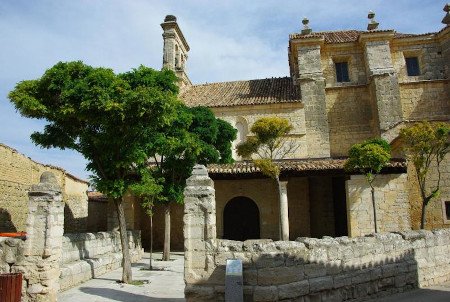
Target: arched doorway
{"x": 241, "y": 219}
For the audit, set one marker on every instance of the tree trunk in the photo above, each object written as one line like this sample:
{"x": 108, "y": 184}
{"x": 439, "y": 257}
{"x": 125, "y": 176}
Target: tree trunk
{"x": 126, "y": 259}
{"x": 166, "y": 252}
{"x": 284, "y": 211}
{"x": 151, "y": 241}
{"x": 423, "y": 218}
{"x": 374, "y": 209}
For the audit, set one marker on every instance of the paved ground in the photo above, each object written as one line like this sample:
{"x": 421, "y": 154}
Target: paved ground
{"x": 439, "y": 293}
{"x": 168, "y": 285}
{"x": 163, "y": 286}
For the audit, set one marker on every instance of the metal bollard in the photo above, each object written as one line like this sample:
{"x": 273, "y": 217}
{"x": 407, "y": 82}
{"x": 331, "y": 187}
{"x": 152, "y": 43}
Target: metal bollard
{"x": 233, "y": 281}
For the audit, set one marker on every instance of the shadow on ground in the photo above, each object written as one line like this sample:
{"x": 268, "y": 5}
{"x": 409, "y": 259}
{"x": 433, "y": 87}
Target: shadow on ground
{"x": 123, "y": 296}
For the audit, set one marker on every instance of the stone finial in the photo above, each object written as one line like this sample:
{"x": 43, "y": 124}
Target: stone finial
{"x": 47, "y": 183}
{"x": 306, "y": 29}
{"x": 372, "y": 23}
{"x": 170, "y": 18}
{"x": 446, "y": 19}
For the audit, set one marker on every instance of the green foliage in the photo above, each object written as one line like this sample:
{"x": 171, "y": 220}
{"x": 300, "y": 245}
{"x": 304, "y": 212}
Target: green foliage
{"x": 426, "y": 143}
{"x": 369, "y": 157}
{"x": 196, "y": 137}
{"x": 267, "y": 167}
{"x": 269, "y": 142}
{"x": 107, "y": 117}
{"x": 147, "y": 189}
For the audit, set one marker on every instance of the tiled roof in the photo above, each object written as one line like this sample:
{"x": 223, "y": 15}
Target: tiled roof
{"x": 294, "y": 165}
{"x": 252, "y": 92}
{"x": 346, "y": 36}
{"x": 96, "y": 196}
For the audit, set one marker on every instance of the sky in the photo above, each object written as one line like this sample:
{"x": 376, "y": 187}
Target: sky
{"x": 229, "y": 40}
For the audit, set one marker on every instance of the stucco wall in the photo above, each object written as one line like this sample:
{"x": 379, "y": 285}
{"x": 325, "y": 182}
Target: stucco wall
{"x": 18, "y": 173}
{"x": 391, "y": 199}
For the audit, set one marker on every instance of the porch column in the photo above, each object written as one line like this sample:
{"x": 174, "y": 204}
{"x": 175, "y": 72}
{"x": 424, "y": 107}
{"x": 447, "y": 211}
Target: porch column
{"x": 284, "y": 211}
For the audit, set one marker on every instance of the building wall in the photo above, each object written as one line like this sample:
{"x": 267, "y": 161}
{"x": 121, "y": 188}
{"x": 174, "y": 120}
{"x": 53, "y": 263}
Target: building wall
{"x": 348, "y": 52}
{"x": 427, "y": 100}
{"x": 18, "y": 173}
{"x": 294, "y": 113}
{"x": 350, "y": 117}
{"x": 264, "y": 193}
{"x": 391, "y": 199}
{"x": 435, "y": 211}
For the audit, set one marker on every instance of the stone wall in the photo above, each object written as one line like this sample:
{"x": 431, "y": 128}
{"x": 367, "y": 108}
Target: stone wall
{"x": 89, "y": 255}
{"x": 350, "y": 117}
{"x": 294, "y": 113}
{"x": 391, "y": 199}
{"x": 334, "y": 269}
{"x": 435, "y": 212}
{"x": 427, "y": 100}
{"x": 264, "y": 193}
{"x": 18, "y": 173}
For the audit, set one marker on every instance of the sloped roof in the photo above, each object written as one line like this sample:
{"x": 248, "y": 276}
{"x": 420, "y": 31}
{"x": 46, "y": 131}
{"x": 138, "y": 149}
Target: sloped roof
{"x": 295, "y": 165}
{"x": 346, "y": 36}
{"x": 252, "y": 92}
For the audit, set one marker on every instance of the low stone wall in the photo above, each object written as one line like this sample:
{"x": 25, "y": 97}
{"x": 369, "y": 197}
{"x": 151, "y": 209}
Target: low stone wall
{"x": 84, "y": 255}
{"x": 327, "y": 269}
{"x": 88, "y": 255}
{"x": 339, "y": 269}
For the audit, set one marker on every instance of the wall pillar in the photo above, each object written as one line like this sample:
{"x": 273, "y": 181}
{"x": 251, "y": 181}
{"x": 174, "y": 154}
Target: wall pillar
{"x": 43, "y": 246}
{"x": 284, "y": 211}
{"x": 383, "y": 80}
{"x": 199, "y": 226}
{"x": 312, "y": 87}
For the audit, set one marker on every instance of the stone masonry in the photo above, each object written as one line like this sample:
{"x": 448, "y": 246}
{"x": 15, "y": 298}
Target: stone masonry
{"x": 42, "y": 249}
{"x": 308, "y": 269}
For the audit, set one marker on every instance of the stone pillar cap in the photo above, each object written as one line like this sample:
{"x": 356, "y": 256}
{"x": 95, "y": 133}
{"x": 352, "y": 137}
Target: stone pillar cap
{"x": 47, "y": 182}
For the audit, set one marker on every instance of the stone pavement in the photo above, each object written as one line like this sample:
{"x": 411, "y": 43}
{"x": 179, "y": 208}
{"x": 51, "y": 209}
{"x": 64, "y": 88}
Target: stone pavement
{"x": 440, "y": 293}
{"x": 164, "y": 285}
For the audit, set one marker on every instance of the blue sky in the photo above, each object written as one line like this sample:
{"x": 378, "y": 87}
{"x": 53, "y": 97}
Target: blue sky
{"x": 230, "y": 40}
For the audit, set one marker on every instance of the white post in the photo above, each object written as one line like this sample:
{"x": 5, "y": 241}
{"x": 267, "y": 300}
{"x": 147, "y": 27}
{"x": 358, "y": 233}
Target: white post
{"x": 284, "y": 211}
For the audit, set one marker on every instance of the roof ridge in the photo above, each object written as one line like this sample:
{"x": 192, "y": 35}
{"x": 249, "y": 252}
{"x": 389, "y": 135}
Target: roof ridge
{"x": 237, "y": 81}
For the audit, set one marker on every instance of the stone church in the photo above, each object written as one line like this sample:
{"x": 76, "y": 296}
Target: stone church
{"x": 344, "y": 87}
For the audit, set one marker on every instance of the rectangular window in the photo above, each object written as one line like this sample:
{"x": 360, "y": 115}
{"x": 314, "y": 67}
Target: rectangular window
{"x": 342, "y": 72}
{"x": 412, "y": 66}
{"x": 447, "y": 210}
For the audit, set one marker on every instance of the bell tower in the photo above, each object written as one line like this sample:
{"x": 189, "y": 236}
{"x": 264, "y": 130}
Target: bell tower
{"x": 175, "y": 50}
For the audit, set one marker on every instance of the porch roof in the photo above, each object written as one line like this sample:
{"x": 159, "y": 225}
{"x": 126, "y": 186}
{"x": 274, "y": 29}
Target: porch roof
{"x": 295, "y": 167}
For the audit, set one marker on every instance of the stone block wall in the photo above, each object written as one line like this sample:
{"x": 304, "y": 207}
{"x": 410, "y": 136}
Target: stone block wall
{"x": 435, "y": 212}
{"x": 391, "y": 199}
{"x": 431, "y": 61}
{"x": 350, "y": 117}
{"x": 335, "y": 269}
{"x": 18, "y": 173}
{"x": 88, "y": 255}
{"x": 294, "y": 113}
{"x": 427, "y": 100}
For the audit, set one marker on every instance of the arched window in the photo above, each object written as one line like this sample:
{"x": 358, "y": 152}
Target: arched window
{"x": 241, "y": 219}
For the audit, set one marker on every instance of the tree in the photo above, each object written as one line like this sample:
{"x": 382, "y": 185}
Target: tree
{"x": 107, "y": 117}
{"x": 369, "y": 158}
{"x": 147, "y": 189}
{"x": 270, "y": 143}
{"x": 197, "y": 136}
{"x": 426, "y": 144}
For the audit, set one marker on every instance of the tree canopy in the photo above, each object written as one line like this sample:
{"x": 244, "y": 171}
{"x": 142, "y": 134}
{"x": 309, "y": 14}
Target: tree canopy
{"x": 109, "y": 118}
{"x": 426, "y": 145}
{"x": 369, "y": 157}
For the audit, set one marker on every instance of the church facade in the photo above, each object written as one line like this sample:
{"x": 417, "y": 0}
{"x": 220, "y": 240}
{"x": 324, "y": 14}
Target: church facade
{"x": 344, "y": 87}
